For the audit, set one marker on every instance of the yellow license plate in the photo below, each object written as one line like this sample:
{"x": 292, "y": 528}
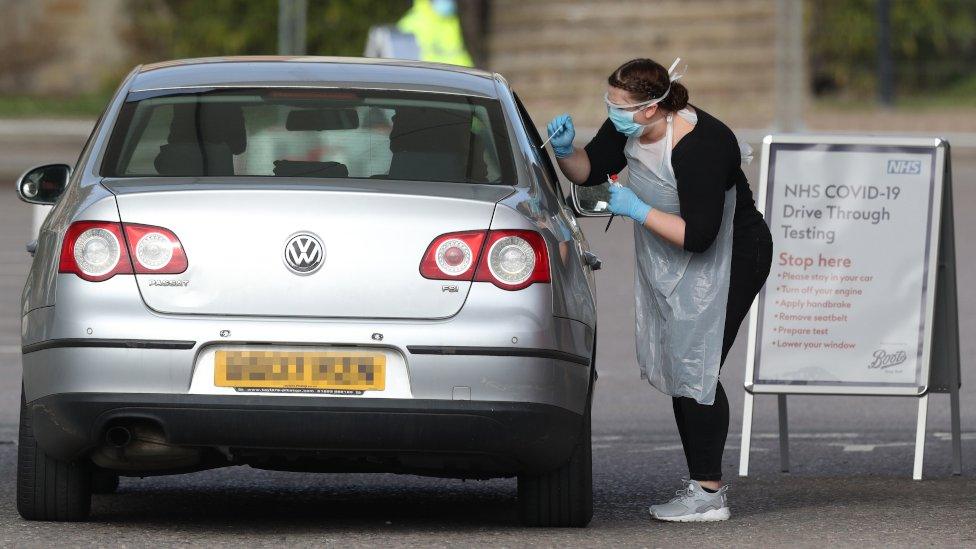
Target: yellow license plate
{"x": 327, "y": 371}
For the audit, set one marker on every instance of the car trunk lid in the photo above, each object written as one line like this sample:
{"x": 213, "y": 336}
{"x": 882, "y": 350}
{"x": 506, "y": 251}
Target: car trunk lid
{"x": 374, "y": 235}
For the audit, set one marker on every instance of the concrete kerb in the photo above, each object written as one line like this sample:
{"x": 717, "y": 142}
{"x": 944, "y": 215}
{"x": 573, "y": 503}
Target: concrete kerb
{"x": 46, "y": 127}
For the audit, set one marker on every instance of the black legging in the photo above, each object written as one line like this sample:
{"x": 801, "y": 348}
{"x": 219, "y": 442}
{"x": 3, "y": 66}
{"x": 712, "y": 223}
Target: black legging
{"x": 703, "y": 429}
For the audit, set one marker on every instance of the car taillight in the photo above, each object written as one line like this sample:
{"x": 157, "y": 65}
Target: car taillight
{"x": 94, "y": 250}
{"x": 514, "y": 259}
{"x": 155, "y": 249}
{"x": 452, "y": 256}
{"x": 509, "y": 259}
{"x": 99, "y": 250}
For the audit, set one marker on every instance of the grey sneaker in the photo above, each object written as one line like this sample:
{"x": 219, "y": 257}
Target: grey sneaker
{"x": 694, "y": 504}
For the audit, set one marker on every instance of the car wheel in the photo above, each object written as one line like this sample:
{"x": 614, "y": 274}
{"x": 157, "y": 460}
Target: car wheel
{"x": 104, "y": 481}
{"x": 563, "y": 497}
{"x": 48, "y": 488}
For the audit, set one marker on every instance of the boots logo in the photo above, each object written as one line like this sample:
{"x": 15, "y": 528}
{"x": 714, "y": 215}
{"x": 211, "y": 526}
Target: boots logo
{"x": 304, "y": 253}
{"x": 883, "y": 359}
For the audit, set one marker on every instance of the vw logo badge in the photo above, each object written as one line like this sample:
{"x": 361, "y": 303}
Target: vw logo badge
{"x": 304, "y": 253}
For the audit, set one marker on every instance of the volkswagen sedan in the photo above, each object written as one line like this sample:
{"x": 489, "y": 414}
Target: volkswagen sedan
{"x": 311, "y": 264}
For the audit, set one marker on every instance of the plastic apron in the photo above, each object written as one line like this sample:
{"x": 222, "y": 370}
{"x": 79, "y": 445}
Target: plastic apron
{"x": 681, "y": 296}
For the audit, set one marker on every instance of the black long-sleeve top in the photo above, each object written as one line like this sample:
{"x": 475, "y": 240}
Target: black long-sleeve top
{"x": 706, "y": 162}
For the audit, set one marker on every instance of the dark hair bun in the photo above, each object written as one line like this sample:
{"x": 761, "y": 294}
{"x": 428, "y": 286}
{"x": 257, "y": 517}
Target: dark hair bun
{"x": 677, "y": 99}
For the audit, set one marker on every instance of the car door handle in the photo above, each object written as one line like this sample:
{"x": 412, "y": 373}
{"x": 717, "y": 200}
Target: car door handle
{"x": 31, "y": 247}
{"x": 592, "y": 260}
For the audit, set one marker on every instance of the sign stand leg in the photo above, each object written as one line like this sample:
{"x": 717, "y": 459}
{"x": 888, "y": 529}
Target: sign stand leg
{"x": 784, "y": 435}
{"x": 956, "y": 430}
{"x": 950, "y": 314}
{"x": 746, "y": 441}
{"x": 923, "y": 410}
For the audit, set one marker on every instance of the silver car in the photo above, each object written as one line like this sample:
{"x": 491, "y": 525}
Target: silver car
{"x": 312, "y": 264}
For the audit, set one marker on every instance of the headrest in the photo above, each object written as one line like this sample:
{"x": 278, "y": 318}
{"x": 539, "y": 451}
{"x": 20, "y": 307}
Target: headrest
{"x": 426, "y": 129}
{"x": 210, "y": 123}
{"x": 194, "y": 159}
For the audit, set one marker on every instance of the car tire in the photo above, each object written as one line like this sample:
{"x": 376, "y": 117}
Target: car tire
{"x": 104, "y": 481}
{"x": 48, "y": 488}
{"x": 564, "y": 497}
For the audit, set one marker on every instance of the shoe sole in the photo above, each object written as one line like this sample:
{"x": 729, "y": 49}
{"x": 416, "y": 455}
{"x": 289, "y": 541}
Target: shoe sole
{"x": 713, "y": 515}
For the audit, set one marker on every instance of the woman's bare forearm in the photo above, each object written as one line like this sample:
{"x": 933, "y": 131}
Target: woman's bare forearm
{"x": 576, "y": 167}
{"x": 669, "y": 226}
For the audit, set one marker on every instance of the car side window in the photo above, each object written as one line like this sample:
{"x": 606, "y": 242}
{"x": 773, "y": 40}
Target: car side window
{"x": 536, "y": 143}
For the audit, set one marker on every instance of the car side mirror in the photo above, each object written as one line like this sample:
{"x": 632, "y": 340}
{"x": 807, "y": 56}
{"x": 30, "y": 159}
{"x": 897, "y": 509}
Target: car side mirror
{"x": 43, "y": 184}
{"x": 591, "y": 201}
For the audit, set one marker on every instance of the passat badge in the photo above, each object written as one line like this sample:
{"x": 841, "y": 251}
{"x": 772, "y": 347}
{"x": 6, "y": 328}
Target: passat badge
{"x": 169, "y": 283}
{"x": 304, "y": 253}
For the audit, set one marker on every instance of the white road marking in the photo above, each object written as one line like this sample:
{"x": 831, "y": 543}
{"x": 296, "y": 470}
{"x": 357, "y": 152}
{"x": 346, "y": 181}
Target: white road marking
{"x": 607, "y": 438}
{"x": 948, "y": 436}
{"x": 869, "y": 447}
{"x": 808, "y": 435}
{"x": 615, "y": 441}
{"x": 773, "y": 436}
{"x": 675, "y": 447}
{"x": 659, "y": 448}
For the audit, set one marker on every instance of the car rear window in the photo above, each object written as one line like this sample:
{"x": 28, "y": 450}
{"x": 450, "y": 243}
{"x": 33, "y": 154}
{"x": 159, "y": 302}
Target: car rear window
{"x": 310, "y": 133}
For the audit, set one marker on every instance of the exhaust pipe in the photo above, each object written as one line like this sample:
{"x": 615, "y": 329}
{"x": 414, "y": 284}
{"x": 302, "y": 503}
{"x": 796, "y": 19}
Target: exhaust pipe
{"x": 142, "y": 446}
{"x": 118, "y": 436}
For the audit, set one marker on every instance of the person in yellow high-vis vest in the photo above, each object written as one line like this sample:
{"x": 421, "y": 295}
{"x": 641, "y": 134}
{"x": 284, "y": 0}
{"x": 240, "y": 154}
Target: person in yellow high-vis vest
{"x": 437, "y": 30}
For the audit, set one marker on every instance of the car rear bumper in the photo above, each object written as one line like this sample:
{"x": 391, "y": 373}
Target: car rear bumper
{"x": 100, "y": 338}
{"x": 450, "y": 438}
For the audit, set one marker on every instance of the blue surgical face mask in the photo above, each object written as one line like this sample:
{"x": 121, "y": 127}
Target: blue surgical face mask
{"x": 624, "y": 121}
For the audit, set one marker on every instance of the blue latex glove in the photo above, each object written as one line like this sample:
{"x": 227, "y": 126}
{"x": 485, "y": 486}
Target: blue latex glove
{"x": 623, "y": 201}
{"x": 562, "y": 132}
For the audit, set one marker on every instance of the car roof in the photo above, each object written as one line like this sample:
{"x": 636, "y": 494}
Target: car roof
{"x": 345, "y": 72}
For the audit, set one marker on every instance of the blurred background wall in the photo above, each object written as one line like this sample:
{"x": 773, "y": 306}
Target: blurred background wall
{"x": 61, "y": 47}
{"x": 899, "y": 65}
{"x": 558, "y": 54}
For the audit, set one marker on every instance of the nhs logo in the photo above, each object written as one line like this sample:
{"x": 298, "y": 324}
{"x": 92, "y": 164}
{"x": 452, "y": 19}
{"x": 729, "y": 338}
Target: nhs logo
{"x": 905, "y": 167}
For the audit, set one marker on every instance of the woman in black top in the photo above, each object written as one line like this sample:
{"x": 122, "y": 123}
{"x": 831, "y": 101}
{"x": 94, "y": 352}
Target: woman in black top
{"x": 653, "y": 130}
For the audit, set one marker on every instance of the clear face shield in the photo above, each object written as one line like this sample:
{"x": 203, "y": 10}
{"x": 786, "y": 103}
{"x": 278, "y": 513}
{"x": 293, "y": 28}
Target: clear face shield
{"x": 633, "y": 106}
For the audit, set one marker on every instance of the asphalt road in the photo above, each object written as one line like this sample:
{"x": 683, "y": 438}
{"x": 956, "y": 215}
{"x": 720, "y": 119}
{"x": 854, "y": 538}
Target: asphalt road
{"x": 849, "y": 484}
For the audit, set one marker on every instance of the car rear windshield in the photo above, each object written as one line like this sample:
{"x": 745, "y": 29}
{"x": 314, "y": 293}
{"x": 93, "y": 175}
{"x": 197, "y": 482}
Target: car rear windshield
{"x": 310, "y": 133}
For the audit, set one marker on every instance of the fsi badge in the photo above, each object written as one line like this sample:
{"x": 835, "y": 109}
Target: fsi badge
{"x": 904, "y": 167}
